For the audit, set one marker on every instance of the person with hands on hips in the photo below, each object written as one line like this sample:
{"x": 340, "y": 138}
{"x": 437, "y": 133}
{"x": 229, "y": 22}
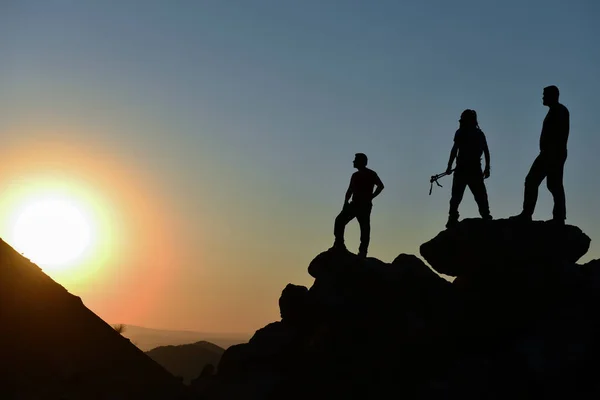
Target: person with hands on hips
{"x": 361, "y": 192}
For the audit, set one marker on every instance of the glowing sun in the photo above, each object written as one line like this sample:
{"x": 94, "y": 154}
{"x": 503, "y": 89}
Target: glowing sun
{"x": 52, "y": 232}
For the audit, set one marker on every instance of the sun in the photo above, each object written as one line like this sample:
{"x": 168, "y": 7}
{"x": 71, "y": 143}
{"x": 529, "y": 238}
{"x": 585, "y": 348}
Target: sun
{"x": 52, "y": 232}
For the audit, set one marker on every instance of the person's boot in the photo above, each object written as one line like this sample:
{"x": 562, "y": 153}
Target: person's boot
{"x": 487, "y": 217}
{"x": 338, "y": 246}
{"x": 523, "y": 217}
{"x": 557, "y": 221}
{"x": 362, "y": 254}
{"x": 452, "y": 222}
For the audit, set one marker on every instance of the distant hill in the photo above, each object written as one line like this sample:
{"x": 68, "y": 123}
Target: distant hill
{"x": 187, "y": 360}
{"x": 54, "y": 347}
{"x": 148, "y": 339}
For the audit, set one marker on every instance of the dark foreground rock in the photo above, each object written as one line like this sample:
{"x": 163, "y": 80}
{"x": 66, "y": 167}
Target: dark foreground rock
{"x": 53, "y": 347}
{"x": 519, "y": 321}
{"x": 499, "y": 245}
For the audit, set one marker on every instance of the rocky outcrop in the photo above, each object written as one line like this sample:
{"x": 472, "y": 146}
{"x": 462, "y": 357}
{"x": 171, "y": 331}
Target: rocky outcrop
{"x": 498, "y": 246}
{"x": 519, "y": 321}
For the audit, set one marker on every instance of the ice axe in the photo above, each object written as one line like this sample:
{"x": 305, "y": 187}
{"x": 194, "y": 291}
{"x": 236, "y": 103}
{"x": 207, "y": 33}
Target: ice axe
{"x": 434, "y": 178}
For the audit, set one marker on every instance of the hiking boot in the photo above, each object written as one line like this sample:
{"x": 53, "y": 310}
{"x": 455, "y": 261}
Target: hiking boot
{"x": 487, "y": 217}
{"x": 452, "y": 222}
{"x": 362, "y": 254}
{"x": 521, "y": 217}
{"x": 557, "y": 221}
{"x": 337, "y": 246}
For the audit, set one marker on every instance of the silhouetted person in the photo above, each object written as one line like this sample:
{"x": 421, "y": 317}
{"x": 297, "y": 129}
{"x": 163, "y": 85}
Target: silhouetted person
{"x": 469, "y": 145}
{"x": 360, "y": 190}
{"x": 550, "y": 163}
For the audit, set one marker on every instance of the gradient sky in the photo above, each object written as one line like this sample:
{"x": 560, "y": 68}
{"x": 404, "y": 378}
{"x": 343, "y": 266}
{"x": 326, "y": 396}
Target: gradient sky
{"x": 218, "y": 136}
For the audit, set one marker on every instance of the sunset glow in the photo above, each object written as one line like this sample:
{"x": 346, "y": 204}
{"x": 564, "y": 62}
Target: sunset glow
{"x": 53, "y": 232}
{"x": 177, "y": 164}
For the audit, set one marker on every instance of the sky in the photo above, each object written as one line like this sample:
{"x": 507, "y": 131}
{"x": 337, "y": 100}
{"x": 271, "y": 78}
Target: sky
{"x": 212, "y": 141}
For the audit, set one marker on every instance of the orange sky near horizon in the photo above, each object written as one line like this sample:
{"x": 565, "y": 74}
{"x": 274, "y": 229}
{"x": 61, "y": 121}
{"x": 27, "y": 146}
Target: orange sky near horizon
{"x": 137, "y": 254}
{"x": 158, "y": 262}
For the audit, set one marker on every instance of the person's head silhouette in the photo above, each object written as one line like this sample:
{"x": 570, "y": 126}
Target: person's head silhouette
{"x": 550, "y": 96}
{"x": 468, "y": 119}
{"x": 360, "y": 161}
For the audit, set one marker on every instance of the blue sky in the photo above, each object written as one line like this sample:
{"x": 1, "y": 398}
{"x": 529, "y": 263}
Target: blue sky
{"x": 247, "y": 114}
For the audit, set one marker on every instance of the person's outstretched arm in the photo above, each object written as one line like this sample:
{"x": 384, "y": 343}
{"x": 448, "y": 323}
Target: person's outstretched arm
{"x": 379, "y": 186}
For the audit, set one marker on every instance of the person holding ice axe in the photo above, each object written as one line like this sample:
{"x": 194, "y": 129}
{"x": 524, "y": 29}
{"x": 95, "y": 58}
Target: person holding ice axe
{"x": 469, "y": 145}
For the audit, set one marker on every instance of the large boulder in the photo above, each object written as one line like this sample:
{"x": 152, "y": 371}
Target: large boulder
{"x": 293, "y": 305}
{"x": 499, "y": 245}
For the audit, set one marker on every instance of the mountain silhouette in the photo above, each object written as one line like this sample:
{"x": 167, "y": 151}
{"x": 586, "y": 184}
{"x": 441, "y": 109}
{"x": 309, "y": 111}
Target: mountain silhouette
{"x": 53, "y": 347}
{"x": 187, "y": 360}
{"x": 149, "y": 338}
{"x": 520, "y": 320}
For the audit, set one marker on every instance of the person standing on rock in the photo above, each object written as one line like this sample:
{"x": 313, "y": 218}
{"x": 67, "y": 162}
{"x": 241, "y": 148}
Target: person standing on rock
{"x": 469, "y": 144}
{"x": 361, "y": 192}
{"x": 550, "y": 163}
